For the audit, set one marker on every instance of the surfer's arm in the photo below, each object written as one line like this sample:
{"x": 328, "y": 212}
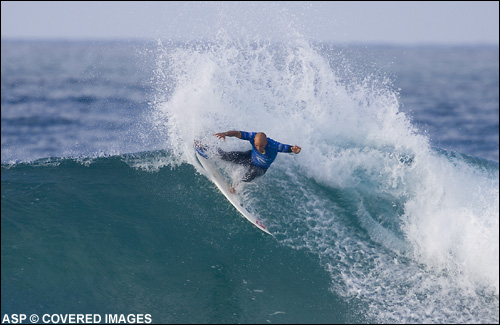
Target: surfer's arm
{"x": 223, "y": 135}
{"x": 286, "y": 147}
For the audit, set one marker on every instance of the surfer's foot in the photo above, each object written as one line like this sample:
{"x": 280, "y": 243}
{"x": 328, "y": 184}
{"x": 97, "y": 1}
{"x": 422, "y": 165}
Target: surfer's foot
{"x": 232, "y": 190}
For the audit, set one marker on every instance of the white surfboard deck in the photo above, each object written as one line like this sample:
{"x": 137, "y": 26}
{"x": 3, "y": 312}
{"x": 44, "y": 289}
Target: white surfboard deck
{"x": 218, "y": 179}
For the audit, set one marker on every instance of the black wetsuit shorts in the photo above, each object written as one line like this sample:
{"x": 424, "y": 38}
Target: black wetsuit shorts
{"x": 244, "y": 158}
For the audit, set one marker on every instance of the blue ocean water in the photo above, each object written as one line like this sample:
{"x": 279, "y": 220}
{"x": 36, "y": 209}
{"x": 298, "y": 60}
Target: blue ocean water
{"x": 388, "y": 215}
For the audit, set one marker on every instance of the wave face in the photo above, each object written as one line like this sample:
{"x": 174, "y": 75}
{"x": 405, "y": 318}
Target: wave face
{"x": 119, "y": 235}
{"x": 128, "y": 233}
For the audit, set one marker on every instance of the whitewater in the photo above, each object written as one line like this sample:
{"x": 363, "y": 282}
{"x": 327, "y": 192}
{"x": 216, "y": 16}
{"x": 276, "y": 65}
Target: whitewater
{"x": 408, "y": 229}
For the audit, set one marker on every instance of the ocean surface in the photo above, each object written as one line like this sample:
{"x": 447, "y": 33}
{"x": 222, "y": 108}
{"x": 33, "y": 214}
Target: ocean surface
{"x": 390, "y": 214}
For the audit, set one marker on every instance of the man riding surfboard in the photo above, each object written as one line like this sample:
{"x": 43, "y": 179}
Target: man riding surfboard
{"x": 259, "y": 159}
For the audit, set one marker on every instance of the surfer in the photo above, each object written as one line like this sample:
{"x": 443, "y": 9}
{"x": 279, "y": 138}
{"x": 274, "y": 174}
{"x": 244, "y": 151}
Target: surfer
{"x": 259, "y": 159}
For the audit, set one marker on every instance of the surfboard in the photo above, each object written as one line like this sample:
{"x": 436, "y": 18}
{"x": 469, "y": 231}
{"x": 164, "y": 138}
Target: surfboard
{"x": 214, "y": 174}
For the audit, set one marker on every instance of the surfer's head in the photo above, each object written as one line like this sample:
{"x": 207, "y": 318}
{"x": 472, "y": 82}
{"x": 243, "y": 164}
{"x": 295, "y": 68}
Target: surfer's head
{"x": 260, "y": 142}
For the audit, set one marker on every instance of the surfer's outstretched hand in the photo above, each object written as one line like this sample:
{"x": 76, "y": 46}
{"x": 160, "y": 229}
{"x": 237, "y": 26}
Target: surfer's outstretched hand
{"x": 221, "y": 135}
{"x": 296, "y": 149}
{"x": 232, "y": 190}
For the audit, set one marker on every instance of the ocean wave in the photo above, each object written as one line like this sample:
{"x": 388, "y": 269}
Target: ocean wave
{"x": 370, "y": 247}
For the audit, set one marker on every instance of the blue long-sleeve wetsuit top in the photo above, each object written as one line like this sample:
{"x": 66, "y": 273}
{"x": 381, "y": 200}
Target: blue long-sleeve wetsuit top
{"x": 270, "y": 152}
